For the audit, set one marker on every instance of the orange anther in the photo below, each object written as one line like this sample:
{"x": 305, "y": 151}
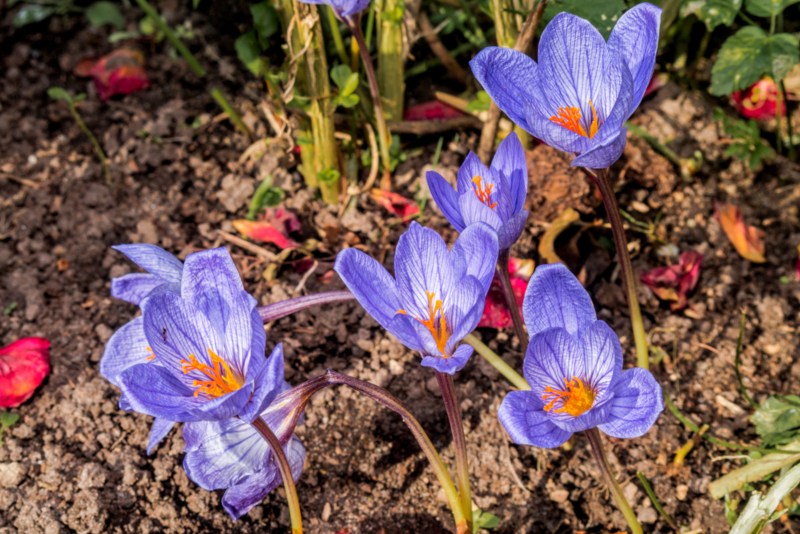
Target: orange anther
{"x": 484, "y": 193}
{"x": 221, "y": 379}
{"x": 575, "y": 399}
{"x": 570, "y": 118}
{"x": 436, "y": 326}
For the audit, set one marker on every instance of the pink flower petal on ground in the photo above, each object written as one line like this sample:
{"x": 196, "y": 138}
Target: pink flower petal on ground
{"x": 119, "y": 73}
{"x": 495, "y": 312}
{"x": 24, "y": 364}
{"x": 395, "y": 204}
{"x": 675, "y": 282}
{"x": 274, "y": 226}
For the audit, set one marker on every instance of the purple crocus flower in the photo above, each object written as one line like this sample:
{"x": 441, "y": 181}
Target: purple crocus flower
{"x": 194, "y": 355}
{"x": 230, "y": 454}
{"x": 436, "y": 297}
{"x": 344, "y": 9}
{"x": 493, "y": 195}
{"x": 574, "y": 368}
{"x": 163, "y": 273}
{"x": 583, "y": 89}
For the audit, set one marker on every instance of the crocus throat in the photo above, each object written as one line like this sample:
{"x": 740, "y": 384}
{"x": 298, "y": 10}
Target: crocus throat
{"x": 484, "y": 193}
{"x": 436, "y": 326}
{"x": 221, "y": 380}
{"x": 575, "y": 399}
{"x": 570, "y": 118}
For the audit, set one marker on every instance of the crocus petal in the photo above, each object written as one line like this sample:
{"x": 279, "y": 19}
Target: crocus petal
{"x": 510, "y": 78}
{"x": 510, "y": 161}
{"x": 463, "y": 309}
{"x": 268, "y": 383}
{"x": 371, "y": 284}
{"x": 159, "y": 430}
{"x": 126, "y": 348}
{"x": 475, "y": 254}
{"x": 556, "y": 299}
{"x": 450, "y": 365}
{"x": 474, "y": 211}
{"x": 446, "y": 198}
{"x": 511, "y": 230}
{"x": 471, "y": 167}
{"x": 422, "y": 265}
{"x": 603, "y": 156}
{"x": 522, "y": 416}
{"x": 636, "y": 405}
{"x": 135, "y": 287}
{"x": 635, "y": 38}
{"x": 155, "y": 260}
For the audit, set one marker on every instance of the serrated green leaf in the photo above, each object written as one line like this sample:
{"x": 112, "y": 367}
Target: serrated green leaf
{"x": 603, "y": 15}
{"x": 340, "y": 74}
{"x": 59, "y": 93}
{"x": 265, "y": 21}
{"x": 249, "y": 52}
{"x": 102, "y": 13}
{"x": 750, "y": 54}
{"x": 713, "y": 13}
{"x": 767, "y": 8}
{"x": 777, "y": 420}
{"x": 32, "y": 13}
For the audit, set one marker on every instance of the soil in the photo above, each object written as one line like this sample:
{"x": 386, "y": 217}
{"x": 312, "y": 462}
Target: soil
{"x": 75, "y": 462}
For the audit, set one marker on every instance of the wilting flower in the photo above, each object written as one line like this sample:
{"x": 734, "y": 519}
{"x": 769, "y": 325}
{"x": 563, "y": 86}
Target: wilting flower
{"x": 197, "y": 355}
{"x": 675, "y": 282}
{"x": 759, "y": 101}
{"x": 436, "y": 297}
{"x": 24, "y": 364}
{"x": 344, "y": 9}
{"x": 574, "y": 368}
{"x": 230, "y": 454}
{"x": 494, "y": 195}
{"x": 580, "y": 93}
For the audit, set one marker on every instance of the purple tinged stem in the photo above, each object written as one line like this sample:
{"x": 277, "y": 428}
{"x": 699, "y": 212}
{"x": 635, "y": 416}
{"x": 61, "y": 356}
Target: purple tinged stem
{"x": 278, "y": 310}
{"x": 453, "y": 410}
{"x": 511, "y": 300}
{"x": 596, "y": 443}
{"x": 286, "y": 473}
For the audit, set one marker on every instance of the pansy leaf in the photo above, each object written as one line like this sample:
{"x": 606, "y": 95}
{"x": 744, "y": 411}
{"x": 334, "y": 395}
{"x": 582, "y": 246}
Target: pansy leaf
{"x": 749, "y": 54}
{"x": 712, "y": 12}
{"x": 767, "y": 8}
{"x": 602, "y": 15}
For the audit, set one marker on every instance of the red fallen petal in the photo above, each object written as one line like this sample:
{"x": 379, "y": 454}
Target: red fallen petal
{"x": 119, "y": 73}
{"x": 265, "y": 232}
{"x": 675, "y": 282}
{"x": 747, "y": 240}
{"x": 283, "y": 218}
{"x": 395, "y": 204}
{"x": 658, "y": 81}
{"x": 434, "y": 110}
{"x": 521, "y": 268}
{"x": 23, "y": 366}
{"x": 495, "y": 312}
{"x": 759, "y": 101}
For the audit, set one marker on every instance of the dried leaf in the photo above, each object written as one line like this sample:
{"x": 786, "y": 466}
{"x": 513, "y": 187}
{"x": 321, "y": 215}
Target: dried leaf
{"x": 547, "y": 244}
{"x": 748, "y": 240}
{"x": 675, "y": 282}
{"x": 275, "y": 226}
{"x": 24, "y": 364}
{"x": 395, "y": 204}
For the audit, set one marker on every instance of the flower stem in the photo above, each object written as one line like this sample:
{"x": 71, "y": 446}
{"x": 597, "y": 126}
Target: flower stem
{"x": 497, "y": 362}
{"x": 172, "y": 37}
{"x": 511, "y": 299}
{"x": 389, "y": 401}
{"x": 453, "y": 409}
{"x": 602, "y": 462}
{"x": 384, "y": 139}
{"x": 603, "y": 181}
{"x": 277, "y": 310}
{"x": 286, "y": 473}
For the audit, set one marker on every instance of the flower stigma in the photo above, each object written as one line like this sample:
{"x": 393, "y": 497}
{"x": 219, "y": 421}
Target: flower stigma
{"x": 437, "y": 328}
{"x": 570, "y": 118}
{"x": 575, "y": 399}
{"x": 484, "y": 193}
{"x": 221, "y": 380}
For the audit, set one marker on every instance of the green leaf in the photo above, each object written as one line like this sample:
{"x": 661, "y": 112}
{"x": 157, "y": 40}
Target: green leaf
{"x": 750, "y": 54}
{"x": 340, "y": 74}
{"x": 755, "y": 470}
{"x": 747, "y": 143}
{"x": 481, "y": 102}
{"x": 767, "y": 8}
{"x": 712, "y": 12}
{"x": 265, "y": 21}
{"x": 7, "y": 420}
{"x": 249, "y": 53}
{"x": 117, "y": 37}
{"x": 59, "y": 93}
{"x": 32, "y": 13}
{"x": 266, "y": 195}
{"x": 102, "y": 13}
{"x": 346, "y": 101}
{"x": 603, "y": 15}
{"x": 777, "y": 420}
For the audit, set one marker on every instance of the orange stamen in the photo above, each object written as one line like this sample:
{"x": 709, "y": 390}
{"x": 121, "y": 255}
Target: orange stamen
{"x": 437, "y": 328}
{"x": 221, "y": 379}
{"x": 484, "y": 194}
{"x": 151, "y": 356}
{"x": 575, "y": 399}
{"x": 570, "y": 118}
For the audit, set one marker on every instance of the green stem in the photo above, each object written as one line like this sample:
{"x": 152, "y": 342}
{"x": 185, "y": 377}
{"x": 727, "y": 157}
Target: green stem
{"x": 511, "y": 299}
{"x": 453, "y": 409}
{"x": 286, "y": 474}
{"x": 384, "y": 138}
{"x": 172, "y": 37}
{"x": 497, "y": 362}
{"x": 648, "y": 489}
{"x": 98, "y": 149}
{"x": 596, "y": 443}
{"x": 229, "y": 110}
{"x": 789, "y": 126}
{"x": 333, "y": 23}
{"x": 603, "y": 181}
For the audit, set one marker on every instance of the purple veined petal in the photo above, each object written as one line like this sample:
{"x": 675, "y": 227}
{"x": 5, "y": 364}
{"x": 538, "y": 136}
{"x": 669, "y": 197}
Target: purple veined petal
{"x": 593, "y": 418}
{"x": 602, "y": 355}
{"x": 342, "y": 8}
{"x": 511, "y": 230}
{"x": 635, "y": 38}
{"x": 510, "y": 161}
{"x": 636, "y": 405}
{"x": 242, "y": 497}
{"x": 450, "y": 365}
{"x": 422, "y": 266}
{"x": 135, "y": 287}
{"x": 126, "y": 348}
{"x": 556, "y": 299}
{"x": 155, "y": 260}
{"x": 475, "y": 254}
{"x": 605, "y": 155}
{"x": 267, "y": 383}
{"x": 552, "y": 356}
{"x": 475, "y": 211}
{"x": 471, "y": 167}
{"x": 446, "y": 198}
{"x": 411, "y": 333}
{"x": 370, "y": 283}
{"x": 159, "y": 430}
{"x": 526, "y": 424}
{"x": 463, "y": 309}
{"x": 511, "y": 79}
